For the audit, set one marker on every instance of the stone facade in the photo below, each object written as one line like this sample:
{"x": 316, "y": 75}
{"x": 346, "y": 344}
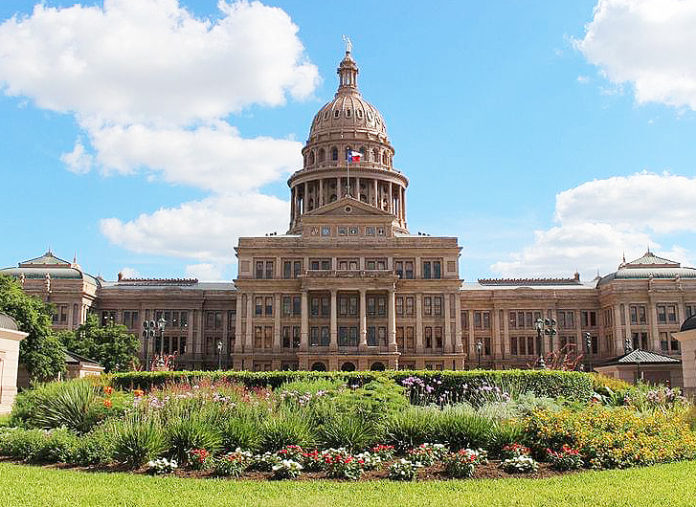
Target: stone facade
{"x": 10, "y": 337}
{"x": 348, "y": 287}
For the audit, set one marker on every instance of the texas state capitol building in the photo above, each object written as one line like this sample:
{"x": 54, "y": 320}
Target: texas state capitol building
{"x": 348, "y": 287}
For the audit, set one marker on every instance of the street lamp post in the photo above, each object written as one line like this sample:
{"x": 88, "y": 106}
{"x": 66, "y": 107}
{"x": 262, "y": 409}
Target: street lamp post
{"x": 544, "y": 327}
{"x": 148, "y": 332}
{"x": 588, "y": 347}
{"x": 219, "y": 354}
{"x": 479, "y": 349}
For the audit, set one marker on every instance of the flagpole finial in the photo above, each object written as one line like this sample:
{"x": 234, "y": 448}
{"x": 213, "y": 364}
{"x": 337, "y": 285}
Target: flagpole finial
{"x": 349, "y": 44}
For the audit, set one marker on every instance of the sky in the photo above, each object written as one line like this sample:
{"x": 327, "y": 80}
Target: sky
{"x": 146, "y": 137}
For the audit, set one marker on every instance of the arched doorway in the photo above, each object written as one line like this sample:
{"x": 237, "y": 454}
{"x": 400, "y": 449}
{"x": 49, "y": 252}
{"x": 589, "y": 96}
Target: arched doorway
{"x": 348, "y": 366}
{"x": 378, "y": 366}
{"x": 318, "y": 366}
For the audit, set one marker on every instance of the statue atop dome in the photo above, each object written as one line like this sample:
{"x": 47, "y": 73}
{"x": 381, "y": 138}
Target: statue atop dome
{"x": 349, "y": 44}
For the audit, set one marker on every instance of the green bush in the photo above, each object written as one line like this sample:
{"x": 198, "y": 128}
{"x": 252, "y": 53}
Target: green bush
{"x": 460, "y": 428}
{"x": 285, "y": 429}
{"x": 241, "y": 433}
{"x": 349, "y": 431}
{"x": 77, "y": 404}
{"x": 184, "y": 434}
{"x": 95, "y": 448}
{"x": 22, "y": 444}
{"x": 374, "y": 401}
{"x": 60, "y": 446}
{"x": 136, "y": 440}
{"x": 502, "y": 433}
{"x": 410, "y": 428}
{"x": 552, "y": 383}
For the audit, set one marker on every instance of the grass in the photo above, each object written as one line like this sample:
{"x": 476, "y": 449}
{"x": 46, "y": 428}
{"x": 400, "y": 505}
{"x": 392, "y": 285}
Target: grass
{"x": 671, "y": 484}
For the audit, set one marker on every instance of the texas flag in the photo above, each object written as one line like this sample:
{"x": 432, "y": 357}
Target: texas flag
{"x": 353, "y": 156}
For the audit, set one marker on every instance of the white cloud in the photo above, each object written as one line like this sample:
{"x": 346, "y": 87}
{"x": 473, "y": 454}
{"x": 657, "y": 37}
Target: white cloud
{"x": 206, "y": 230}
{"x": 153, "y": 61}
{"x": 78, "y": 161}
{"x": 213, "y": 157}
{"x": 205, "y": 272}
{"x": 152, "y": 88}
{"x": 600, "y": 220}
{"x": 648, "y": 44}
{"x": 127, "y": 272}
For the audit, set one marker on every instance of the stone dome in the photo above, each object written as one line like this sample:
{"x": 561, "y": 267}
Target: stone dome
{"x": 348, "y": 111}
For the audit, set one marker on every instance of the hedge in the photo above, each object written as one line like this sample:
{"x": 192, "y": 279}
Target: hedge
{"x": 552, "y": 383}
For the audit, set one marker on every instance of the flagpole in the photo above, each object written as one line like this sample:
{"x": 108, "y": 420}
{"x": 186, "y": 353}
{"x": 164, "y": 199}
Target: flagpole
{"x": 348, "y": 171}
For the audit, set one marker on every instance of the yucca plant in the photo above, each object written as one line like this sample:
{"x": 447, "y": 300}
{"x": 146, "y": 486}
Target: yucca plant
{"x": 410, "y": 428}
{"x": 461, "y": 428}
{"x": 348, "y": 431}
{"x": 242, "y": 433}
{"x": 73, "y": 405}
{"x": 286, "y": 429}
{"x": 184, "y": 434}
{"x": 136, "y": 440}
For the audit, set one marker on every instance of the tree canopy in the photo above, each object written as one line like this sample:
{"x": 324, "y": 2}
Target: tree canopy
{"x": 111, "y": 345}
{"x": 41, "y": 352}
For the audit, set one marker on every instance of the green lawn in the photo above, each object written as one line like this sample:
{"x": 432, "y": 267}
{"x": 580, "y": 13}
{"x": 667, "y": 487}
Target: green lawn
{"x": 673, "y": 484}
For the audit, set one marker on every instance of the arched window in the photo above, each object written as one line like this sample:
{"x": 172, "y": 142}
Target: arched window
{"x": 337, "y": 113}
{"x": 318, "y": 366}
{"x": 381, "y": 157}
{"x": 362, "y": 151}
{"x": 332, "y": 198}
{"x": 359, "y": 113}
{"x": 310, "y": 205}
{"x": 348, "y": 366}
{"x": 334, "y": 153}
{"x": 347, "y": 113}
{"x": 322, "y": 155}
{"x": 373, "y": 155}
{"x": 378, "y": 366}
{"x": 311, "y": 158}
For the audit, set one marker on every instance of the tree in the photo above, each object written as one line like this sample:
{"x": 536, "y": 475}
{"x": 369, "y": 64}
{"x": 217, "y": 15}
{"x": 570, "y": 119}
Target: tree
{"x": 41, "y": 352}
{"x": 110, "y": 345}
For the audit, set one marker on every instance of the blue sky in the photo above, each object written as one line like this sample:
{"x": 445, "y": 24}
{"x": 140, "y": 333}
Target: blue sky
{"x": 536, "y": 132}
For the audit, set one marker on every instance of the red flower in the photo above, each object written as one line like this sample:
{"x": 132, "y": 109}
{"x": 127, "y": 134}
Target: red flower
{"x": 108, "y": 390}
{"x": 108, "y": 404}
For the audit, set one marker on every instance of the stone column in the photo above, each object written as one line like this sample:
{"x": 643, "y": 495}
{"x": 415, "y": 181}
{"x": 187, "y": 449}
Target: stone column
{"x": 458, "y": 347}
{"x": 390, "y": 205}
{"x": 357, "y": 188}
{"x": 333, "y": 344}
{"x": 363, "y": 319}
{"x": 627, "y": 313}
{"x": 338, "y": 188}
{"x": 654, "y": 331}
{"x": 304, "y": 322}
{"x": 472, "y": 338}
{"x": 305, "y": 198}
{"x": 419, "y": 324}
{"x": 276, "y": 323}
{"x": 447, "y": 345}
{"x": 249, "y": 345}
{"x": 320, "y": 199}
{"x": 506, "y": 334}
{"x": 391, "y": 315}
{"x": 376, "y": 195}
{"x": 403, "y": 204}
{"x": 237, "y": 326}
{"x": 618, "y": 337}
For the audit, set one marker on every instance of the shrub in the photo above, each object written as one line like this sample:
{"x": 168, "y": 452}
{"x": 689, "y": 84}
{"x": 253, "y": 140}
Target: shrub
{"x": 22, "y": 444}
{"x": 293, "y": 452}
{"x": 374, "y": 402}
{"x": 461, "y": 428}
{"x": 243, "y": 433}
{"x": 182, "y": 435}
{"x": 427, "y": 454}
{"x": 514, "y": 450}
{"x": 95, "y": 448}
{"x": 567, "y": 384}
{"x": 502, "y": 434}
{"x": 410, "y": 428}
{"x": 74, "y": 405}
{"x": 287, "y": 469}
{"x": 462, "y": 464}
{"x": 60, "y": 446}
{"x": 339, "y": 464}
{"x": 199, "y": 459}
{"x": 286, "y": 429}
{"x": 615, "y": 437}
{"x": 136, "y": 440}
{"x": 520, "y": 465}
{"x": 232, "y": 464}
{"x": 404, "y": 470}
{"x": 565, "y": 459}
{"x": 162, "y": 466}
{"x": 349, "y": 431}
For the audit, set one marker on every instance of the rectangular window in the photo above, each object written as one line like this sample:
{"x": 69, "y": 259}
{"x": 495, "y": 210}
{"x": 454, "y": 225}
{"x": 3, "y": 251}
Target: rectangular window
{"x": 438, "y": 337}
{"x": 589, "y": 319}
{"x": 437, "y": 305}
{"x": 427, "y": 270}
{"x": 411, "y": 337}
{"x": 286, "y": 337}
{"x": 269, "y": 306}
{"x": 297, "y": 268}
{"x": 218, "y": 320}
{"x": 381, "y": 306}
{"x": 408, "y": 270}
{"x": 269, "y": 269}
{"x": 372, "y": 336}
{"x": 427, "y": 305}
{"x": 371, "y": 305}
{"x": 482, "y": 320}
{"x": 382, "y": 336}
{"x": 287, "y": 305}
{"x": 399, "y": 305}
{"x": 287, "y": 269}
{"x": 325, "y": 336}
{"x": 410, "y": 305}
{"x": 513, "y": 345}
{"x": 325, "y": 306}
{"x": 296, "y": 305}
{"x": 259, "y": 269}
{"x": 437, "y": 269}
{"x": 314, "y": 337}
{"x": 399, "y": 268}
{"x": 428, "y": 337}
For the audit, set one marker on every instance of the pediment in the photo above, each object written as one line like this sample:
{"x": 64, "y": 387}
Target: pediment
{"x": 348, "y": 206}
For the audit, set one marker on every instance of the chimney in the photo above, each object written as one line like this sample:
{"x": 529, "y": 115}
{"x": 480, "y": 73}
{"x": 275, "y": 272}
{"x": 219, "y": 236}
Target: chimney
{"x": 120, "y": 276}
